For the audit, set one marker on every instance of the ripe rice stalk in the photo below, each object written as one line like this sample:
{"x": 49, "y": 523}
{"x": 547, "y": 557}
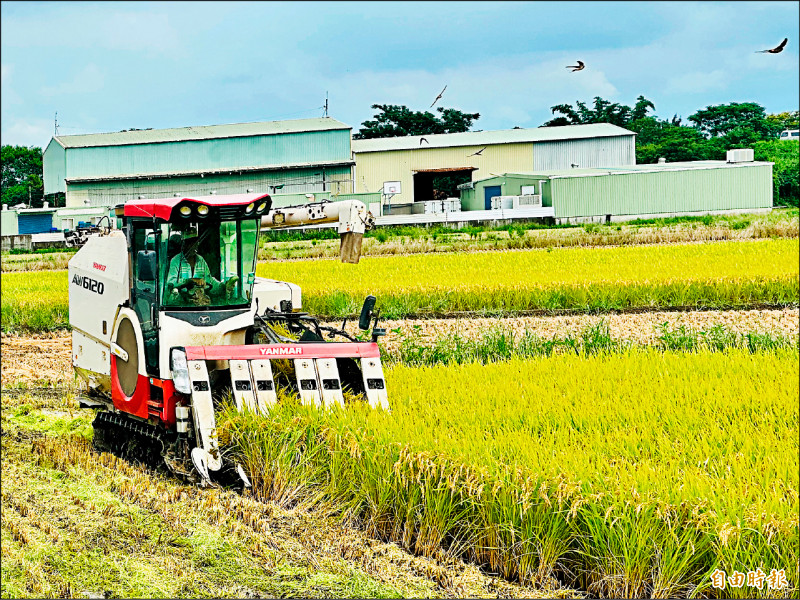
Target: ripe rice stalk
{"x": 730, "y": 275}
{"x": 615, "y": 486}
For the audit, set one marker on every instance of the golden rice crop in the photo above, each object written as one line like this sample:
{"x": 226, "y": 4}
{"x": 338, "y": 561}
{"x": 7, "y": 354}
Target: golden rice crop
{"x": 636, "y": 473}
{"x": 37, "y": 301}
{"x": 723, "y": 274}
{"x": 730, "y": 274}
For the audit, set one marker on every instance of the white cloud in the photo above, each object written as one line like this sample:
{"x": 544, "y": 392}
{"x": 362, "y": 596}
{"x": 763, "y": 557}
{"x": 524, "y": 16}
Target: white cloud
{"x": 697, "y": 82}
{"x": 88, "y": 80}
{"x": 102, "y": 28}
{"x": 27, "y": 132}
{"x": 9, "y": 96}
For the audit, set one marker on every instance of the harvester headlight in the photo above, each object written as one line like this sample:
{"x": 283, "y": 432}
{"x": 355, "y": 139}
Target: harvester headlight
{"x": 186, "y": 211}
{"x": 180, "y": 371}
{"x": 262, "y": 206}
{"x": 250, "y": 208}
{"x": 202, "y": 210}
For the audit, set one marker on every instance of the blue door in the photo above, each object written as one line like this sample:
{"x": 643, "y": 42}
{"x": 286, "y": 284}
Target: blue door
{"x": 490, "y": 192}
{"x": 35, "y": 223}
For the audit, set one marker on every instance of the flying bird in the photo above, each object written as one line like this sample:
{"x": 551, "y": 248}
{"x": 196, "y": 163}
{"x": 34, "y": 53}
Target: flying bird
{"x": 439, "y": 96}
{"x": 478, "y": 153}
{"x": 422, "y": 139}
{"x": 777, "y": 49}
{"x": 578, "y": 67}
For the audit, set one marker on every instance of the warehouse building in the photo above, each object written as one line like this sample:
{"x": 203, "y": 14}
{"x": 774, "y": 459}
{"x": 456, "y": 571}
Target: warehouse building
{"x": 631, "y": 192}
{"x": 412, "y": 164}
{"x": 104, "y": 169}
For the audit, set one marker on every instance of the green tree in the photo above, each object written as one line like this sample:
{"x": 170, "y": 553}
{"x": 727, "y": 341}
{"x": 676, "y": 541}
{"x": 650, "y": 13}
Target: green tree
{"x": 786, "y": 170}
{"x": 603, "y": 111}
{"x": 744, "y": 122}
{"x": 676, "y": 144}
{"x": 785, "y": 120}
{"x": 21, "y": 175}
{"x": 396, "y": 121}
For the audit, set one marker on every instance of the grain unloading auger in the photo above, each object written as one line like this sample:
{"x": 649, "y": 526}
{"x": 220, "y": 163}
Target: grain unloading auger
{"x": 168, "y": 318}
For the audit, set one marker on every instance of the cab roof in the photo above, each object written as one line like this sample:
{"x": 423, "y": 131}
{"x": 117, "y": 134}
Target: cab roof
{"x": 162, "y": 208}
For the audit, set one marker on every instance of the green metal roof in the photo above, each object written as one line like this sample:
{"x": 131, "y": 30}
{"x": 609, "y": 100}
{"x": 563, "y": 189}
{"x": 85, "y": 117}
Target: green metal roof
{"x": 650, "y": 168}
{"x": 204, "y": 132}
{"x": 481, "y": 138}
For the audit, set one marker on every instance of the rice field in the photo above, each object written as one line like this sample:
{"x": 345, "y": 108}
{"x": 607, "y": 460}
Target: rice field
{"x": 729, "y": 275}
{"x": 622, "y": 474}
{"x": 583, "y": 461}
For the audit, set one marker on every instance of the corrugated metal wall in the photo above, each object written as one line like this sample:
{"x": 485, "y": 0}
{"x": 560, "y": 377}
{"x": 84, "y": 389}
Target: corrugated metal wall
{"x": 374, "y": 168}
{"x": 616, "y": 151}
{"x": 691, "y": 190}
{"x": 204, "y": 155}
{"x": 54, "y": 166}
{"x": 294, "y": 181}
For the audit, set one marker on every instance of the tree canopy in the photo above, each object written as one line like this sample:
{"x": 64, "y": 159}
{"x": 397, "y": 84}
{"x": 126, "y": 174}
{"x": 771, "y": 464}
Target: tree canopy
{"x": 603, "y": 111}
{"x": 21, "y": 175}
{"x": 727, "y": 119}
{"x": 710, "y": 133}
{"x": 395, "y": 121}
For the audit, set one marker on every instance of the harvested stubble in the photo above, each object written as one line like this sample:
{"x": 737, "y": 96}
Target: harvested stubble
{"x": 725, "y": 275}
{"x": 36, "y": 261}
{"x": 633, "y": 474}
{"x": 731, "y": 274}
{"x": 81, "y": 524}
{"x": 642, "y": 328}
{"x": 22, "y": 365}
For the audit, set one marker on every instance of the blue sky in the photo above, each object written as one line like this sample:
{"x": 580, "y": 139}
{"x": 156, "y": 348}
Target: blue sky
{"x": 107, "y": 66}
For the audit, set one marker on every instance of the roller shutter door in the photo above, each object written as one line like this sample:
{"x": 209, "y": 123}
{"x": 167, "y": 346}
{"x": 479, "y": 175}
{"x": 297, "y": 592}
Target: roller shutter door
{"x": 39, "y": 223}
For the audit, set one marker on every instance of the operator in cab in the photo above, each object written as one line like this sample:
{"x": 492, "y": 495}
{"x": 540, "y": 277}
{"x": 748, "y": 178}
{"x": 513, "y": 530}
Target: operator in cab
{"x": 189, "y": 278}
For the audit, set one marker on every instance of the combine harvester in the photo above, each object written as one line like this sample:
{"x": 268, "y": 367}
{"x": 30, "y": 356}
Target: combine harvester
{"x": 168, "y": 316}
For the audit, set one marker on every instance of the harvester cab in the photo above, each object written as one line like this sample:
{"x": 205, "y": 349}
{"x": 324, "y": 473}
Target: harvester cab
{"x": 169, "y": 319}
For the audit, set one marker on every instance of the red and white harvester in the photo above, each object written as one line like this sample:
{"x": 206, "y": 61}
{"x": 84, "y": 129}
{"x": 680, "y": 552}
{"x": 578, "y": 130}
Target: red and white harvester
{"x": 168, "y": 316}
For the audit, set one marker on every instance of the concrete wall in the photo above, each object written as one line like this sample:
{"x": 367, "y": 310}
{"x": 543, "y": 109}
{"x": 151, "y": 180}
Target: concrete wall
{"x": 8, "y": 222}
{"x": 15, "y": 242}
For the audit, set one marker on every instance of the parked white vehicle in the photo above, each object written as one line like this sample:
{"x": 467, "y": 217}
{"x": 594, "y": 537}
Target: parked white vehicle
{"x": 790, "y": 134}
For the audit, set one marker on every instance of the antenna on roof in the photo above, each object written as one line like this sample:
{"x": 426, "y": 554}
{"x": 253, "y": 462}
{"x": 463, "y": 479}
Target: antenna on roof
{"x": 326, "y": 104}
{"x": 55, "y": 125}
